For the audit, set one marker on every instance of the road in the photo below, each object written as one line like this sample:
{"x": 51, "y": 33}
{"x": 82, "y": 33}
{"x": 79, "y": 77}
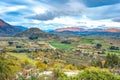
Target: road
{"x": 67, "y": 73}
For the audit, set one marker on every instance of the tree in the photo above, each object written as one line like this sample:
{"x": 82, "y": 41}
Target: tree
{"x": 97, "y": 63}
{"x": 66, "y": 42}
{"x": 18, "y": 46}
{"x": 33, "y": 37}
{"x": 112, "y": 60}
{"x": 98, "y": 46}
{"x": 10, "y": 43}
{"x": 114, "y": 48}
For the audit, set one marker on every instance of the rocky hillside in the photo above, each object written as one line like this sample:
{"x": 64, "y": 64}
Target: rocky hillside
{"x": 7, "y": 29}
{"x": 36, "y": 32}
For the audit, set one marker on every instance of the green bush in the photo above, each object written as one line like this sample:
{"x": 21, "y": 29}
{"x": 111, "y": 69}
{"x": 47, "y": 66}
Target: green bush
{"x": 8, "y": 67}
{"x": 32, "y": 77}
{"x": 112, "y": 61}
{"x": 95, "y": 75}
{"x": 90, "y": 74}
{"x": 58, "y": 74}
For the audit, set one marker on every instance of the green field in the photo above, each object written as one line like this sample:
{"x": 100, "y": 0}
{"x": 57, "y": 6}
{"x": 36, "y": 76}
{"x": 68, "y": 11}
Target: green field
{"x": 61, "y": 45}
{"x": 87, "y": 41}
{"x": 84, "y": 40}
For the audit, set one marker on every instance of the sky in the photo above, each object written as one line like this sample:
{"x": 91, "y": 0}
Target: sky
{"x": 53, "y": 14}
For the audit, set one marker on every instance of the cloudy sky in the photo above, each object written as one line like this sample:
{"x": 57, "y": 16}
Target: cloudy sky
{"x": 52, "y": 14}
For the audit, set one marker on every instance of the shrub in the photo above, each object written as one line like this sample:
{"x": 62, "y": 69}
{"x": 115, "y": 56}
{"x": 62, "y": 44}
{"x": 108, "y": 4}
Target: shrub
{"x": 112, "y": 60}
{"x": 41, "y": 66}
{"x": 95, "y": 75}
{"x": 33, "y": 37}
{"x": 70, "y": 67}
{"x": 10, "y": 43}
{"x": 66, "y": 42}
{"x": 114, "y": 48}
{"x": 87, "y": 74}
{"x": 31, "y": 77}
{"x": 81, "y": 66}
{"x": 58, "y": 74}
{"x": 98, "y": 46}
{"x": 97, "y": 63}
{"x": 8, "y": 68}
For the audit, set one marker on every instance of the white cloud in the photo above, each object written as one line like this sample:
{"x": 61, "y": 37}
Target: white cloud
{"x": 60, "y": 15}
{"x": 7, "y": 8}
{"x": 38, "y": 10}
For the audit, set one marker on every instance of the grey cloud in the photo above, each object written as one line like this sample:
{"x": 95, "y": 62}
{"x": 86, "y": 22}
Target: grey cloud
{"x": 77, "y": 7}
{"x": 53, "y": 14}
{"x": 43, "y": 17}
{"x": 69, "y": 9}
{"x": 116, "y": 19}
{"x": 104, "y": 12}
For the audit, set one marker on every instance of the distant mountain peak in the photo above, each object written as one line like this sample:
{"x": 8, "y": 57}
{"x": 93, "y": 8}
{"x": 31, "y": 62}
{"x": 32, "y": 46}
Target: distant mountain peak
{"x": 3, "y": 23}
{"x": 7, "y": 29}
{"x": 112, "y": 30}
{"x": 78, "y": 29}
{"x": 34, "y": 29}
{"x": 73, "y": 29}
{"x": 36, "y": 32}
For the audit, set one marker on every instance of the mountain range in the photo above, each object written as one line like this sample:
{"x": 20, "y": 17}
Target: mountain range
{"x": 20, "y": 31}
{"x": 77, "y": 29}
{"x": 74, "y": 29}
{"x": 7, "y": 29}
